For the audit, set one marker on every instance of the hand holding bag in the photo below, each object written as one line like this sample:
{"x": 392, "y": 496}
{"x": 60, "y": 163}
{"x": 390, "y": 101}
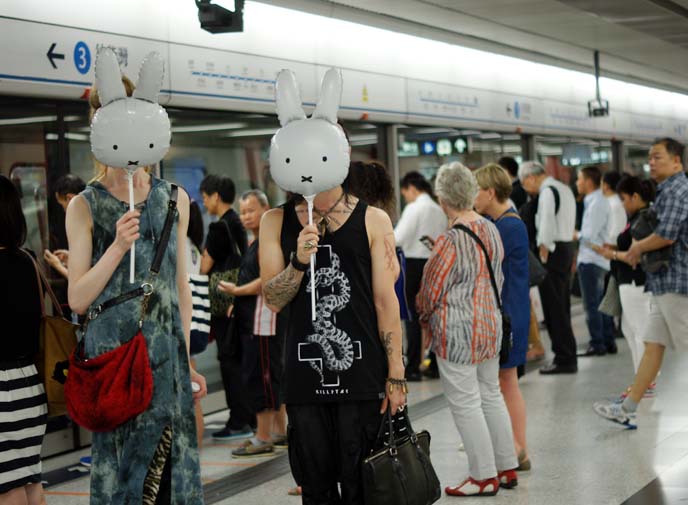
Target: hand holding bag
{"x": 507, "y": 337}
{"x": 56, "y": 342}
{"x": 400, "y": 473}
{"x": 106, "y": 391}
{"x": 220, "y": 301}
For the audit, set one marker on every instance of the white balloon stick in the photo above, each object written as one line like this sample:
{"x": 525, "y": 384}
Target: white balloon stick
{"x": 132, "y": 251}
{"x": 309, "y": 200}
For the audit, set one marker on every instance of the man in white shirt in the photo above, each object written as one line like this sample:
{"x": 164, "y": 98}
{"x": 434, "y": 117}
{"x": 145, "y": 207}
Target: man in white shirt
{"x": 422, "y": 217}
{"x": 617, "y": 216}
{"x": 555, "y": 221}
{"x": 593, "y": 267}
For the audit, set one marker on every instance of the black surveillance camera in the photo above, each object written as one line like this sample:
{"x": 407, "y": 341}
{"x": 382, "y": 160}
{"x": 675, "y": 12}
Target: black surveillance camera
{"x": 598, "y": 108}
{"x": 217, "y": 19}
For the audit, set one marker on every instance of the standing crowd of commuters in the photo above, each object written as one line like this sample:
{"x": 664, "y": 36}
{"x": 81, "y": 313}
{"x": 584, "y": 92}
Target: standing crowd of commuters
{"x": 319, "y": 389}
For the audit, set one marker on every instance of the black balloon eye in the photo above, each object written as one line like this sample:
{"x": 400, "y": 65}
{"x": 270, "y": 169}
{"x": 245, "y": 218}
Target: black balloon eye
{"x": 150, "y": 145}
{"x": 287, "y": 160}
{"x": 114, "y": 147}
{"x": 324, "y": 158}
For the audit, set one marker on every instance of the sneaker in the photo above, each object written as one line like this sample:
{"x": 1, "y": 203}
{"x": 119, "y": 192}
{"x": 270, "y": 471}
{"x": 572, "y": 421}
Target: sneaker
{"x": 230, "y": 434}
{"x": 472, "y": 487}
{"x": 250, "y": 450}
{"x": 280, "y": 442}
{"x": 508, "y": 479}
{"x": 615, "y": 412}
{"x": 86, "y": 461}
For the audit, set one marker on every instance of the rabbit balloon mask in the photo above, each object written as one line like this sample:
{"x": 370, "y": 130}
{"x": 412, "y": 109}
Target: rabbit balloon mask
{"x": 129, "y": 132}
{"x": 308, "y": 155}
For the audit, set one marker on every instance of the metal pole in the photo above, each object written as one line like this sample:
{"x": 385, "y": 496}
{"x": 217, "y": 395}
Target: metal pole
{"x": 618, "y": 156}
{"x": 392, "y": 146}
{"x": 528, "y": 151}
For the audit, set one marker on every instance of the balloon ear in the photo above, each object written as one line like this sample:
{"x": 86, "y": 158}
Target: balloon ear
{"x": 287, "y": 97}
{"x": 330, "y": 96}
{"x": 108, "y": 77}
{"x": 150, "y": 78}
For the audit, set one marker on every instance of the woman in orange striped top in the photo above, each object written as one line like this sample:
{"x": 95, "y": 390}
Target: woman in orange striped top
{"x": 459, "y": 312}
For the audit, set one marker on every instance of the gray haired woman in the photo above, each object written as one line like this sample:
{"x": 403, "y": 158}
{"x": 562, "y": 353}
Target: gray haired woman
{"x": 458, "y": 306}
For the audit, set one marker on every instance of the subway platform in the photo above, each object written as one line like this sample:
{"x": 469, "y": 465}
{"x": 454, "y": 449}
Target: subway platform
{"x": 578, "y": 458}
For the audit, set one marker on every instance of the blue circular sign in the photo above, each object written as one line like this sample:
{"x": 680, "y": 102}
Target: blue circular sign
{"x": 82, "y": 57}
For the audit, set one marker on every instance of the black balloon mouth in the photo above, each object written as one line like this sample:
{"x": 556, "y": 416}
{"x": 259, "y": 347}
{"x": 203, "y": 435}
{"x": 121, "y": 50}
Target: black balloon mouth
{"x": 307, "y": 179}
{"x": 134, "y": 163}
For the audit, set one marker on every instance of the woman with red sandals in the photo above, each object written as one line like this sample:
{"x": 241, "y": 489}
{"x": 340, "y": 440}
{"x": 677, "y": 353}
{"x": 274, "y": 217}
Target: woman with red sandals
{"x": 459, "y": 312}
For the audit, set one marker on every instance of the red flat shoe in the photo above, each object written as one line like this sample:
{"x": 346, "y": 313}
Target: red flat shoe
{"x": 472, "y": 487}
{"x": 508, "y": 479}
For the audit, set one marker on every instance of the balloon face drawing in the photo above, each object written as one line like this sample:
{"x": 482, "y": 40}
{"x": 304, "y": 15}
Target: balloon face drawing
{"x": 309, "y": 155}
{"x": 129, "y": 132}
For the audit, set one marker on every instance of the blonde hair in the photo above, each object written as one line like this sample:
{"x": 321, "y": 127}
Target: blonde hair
{"x": 94, "y": 101}
{"x": 495, "y": 177}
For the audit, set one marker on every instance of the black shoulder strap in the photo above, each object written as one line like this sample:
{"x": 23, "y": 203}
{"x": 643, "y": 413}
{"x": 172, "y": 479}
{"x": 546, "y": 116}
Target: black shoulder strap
{"x": 232, "y": 239}
{"x": 155, "y": 266}
{"x": 557, "y": 201}
{"x": 493, "y": 280}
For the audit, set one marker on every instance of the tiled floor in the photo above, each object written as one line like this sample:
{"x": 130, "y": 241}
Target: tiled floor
{"x": 577, "y": 457}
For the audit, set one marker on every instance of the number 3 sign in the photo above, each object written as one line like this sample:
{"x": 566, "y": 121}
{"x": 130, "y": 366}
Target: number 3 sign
{"x": 82, "y": 57}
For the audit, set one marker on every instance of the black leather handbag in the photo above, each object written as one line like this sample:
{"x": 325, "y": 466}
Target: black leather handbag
{"x": 644, "y": 226}
{"x": 400, "y": 473}
{"x": 507, "y": 336}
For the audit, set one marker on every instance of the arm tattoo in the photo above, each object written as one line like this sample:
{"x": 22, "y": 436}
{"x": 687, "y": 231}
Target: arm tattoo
{"x": 386, "y": 338}
{"x": 281, "y": 289}
{"x": 390, "y": 253}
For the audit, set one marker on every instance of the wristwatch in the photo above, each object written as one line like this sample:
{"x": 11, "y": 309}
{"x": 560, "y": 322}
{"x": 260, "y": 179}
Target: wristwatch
{"x": 294, "y": 260}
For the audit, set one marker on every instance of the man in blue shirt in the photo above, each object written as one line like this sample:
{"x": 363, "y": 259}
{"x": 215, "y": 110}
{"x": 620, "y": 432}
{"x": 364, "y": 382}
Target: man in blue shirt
{"x": 593, "y": 267}
{"x": 667, "y": 324}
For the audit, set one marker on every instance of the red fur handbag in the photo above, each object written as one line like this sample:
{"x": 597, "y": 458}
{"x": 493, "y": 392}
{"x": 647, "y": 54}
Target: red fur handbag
{"x": 108, "y": 390}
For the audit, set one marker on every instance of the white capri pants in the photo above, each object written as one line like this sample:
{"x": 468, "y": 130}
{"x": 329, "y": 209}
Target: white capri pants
{"x": 480, "y": 415}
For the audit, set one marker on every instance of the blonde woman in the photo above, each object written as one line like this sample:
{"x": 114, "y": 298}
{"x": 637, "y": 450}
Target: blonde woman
{"x": 458, "y": 306}
{"x": 494, "y": 188}
{"x": 152, "y": 458}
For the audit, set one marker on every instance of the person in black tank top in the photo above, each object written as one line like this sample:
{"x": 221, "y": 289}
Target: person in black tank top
{"x": 344, "y": 368}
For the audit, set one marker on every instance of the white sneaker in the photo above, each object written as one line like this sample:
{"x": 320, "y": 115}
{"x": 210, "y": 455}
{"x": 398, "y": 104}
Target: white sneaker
{"x": 616, "y": 413}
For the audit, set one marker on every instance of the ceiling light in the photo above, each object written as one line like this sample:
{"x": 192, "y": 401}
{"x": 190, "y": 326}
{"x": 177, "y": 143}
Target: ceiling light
{"x": 207, "y": 127}
{"x": 261, "y": 132}
{"x": 27, "y": 120}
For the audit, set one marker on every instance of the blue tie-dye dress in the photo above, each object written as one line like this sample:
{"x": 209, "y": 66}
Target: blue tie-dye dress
{"x": 121, "y": 458}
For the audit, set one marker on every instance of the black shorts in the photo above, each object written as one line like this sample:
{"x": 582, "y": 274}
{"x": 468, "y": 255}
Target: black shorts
{"x": 262, "y": 371}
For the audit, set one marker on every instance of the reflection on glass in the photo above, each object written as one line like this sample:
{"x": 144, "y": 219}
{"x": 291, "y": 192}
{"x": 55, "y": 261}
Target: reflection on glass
{"x": 30, "y": 180}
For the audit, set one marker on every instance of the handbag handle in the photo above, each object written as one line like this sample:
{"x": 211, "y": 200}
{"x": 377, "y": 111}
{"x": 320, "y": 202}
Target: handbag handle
{"x": 42, "y": 281}
{"x": 391, "y": 439}
{"x": 493, "y": 280}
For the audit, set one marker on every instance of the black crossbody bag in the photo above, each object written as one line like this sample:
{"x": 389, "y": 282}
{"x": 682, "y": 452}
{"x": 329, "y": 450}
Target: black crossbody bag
{"x": 507, "y": 339}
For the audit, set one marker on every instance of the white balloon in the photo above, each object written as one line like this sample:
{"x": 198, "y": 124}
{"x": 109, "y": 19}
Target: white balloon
{"x": 309, "y": 156}
{"x": 129, "y": 132}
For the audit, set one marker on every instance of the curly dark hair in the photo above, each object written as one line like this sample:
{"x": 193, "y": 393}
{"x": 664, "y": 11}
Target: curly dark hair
{"x": 370, "y": 181}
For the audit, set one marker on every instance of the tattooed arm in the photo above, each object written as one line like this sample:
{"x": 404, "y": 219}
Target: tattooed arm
{"x": 385, "y": 269}
{"x": 280, "y": 283}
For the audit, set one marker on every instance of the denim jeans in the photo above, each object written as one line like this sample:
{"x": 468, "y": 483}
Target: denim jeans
{"x": 601, "y": 327}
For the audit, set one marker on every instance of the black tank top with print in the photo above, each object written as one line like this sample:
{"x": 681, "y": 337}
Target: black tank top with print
{"x": 339, "y": 356}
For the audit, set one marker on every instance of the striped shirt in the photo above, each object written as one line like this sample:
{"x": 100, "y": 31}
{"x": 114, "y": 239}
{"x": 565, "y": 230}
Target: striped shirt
{"x": 456, "y": 299}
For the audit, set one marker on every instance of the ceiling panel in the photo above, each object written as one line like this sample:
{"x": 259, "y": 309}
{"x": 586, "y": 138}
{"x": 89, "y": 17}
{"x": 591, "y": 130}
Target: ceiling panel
{"x": 640, "y": 36}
